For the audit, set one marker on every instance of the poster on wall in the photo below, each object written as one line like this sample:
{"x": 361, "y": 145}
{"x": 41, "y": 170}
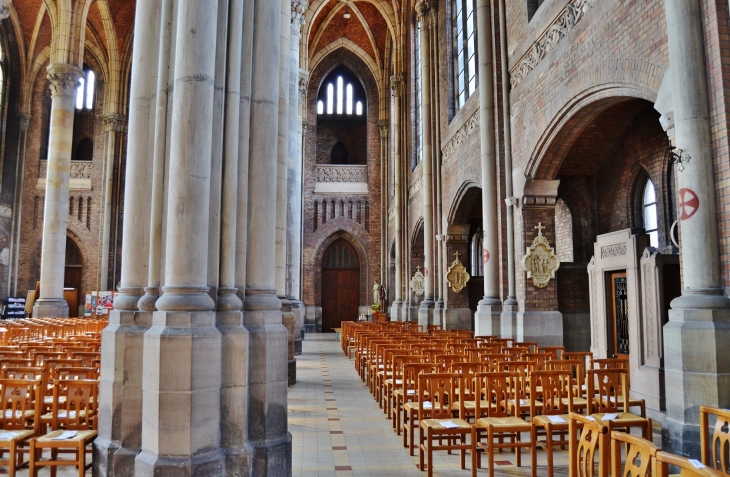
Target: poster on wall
{"x": 104, "y": 303}
{"x": 87, "y": 306}
{"x": 15, "y": 308}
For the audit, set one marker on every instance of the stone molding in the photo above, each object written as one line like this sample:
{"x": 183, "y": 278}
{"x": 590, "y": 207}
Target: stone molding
{"x": 563, "y": 23}
{"x": 397, "y": 84}
{"x": 354, "y": 173}
{"x": 415, "y": 187}
{"x": 615, "y": 250}
{"x": 64, "y": 79}
{"x": 298, "y": 8}
{"x": 79, "y": 169}
{"x": 471, "y": 125}
{"x": 114, "y": 122}
{"x": 383, "y": 127}
{"x": 24, "y": 121}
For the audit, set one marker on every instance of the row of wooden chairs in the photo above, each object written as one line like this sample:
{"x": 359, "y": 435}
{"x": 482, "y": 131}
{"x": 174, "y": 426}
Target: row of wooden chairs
{"x": 49, "y": 383}
{"x": 491, "y": 389}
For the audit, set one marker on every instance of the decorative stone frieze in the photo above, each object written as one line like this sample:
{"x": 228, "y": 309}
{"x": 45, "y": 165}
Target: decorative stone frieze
{"x": 615, "y": 250}
{"x": 471, "y": 125}
{"x": 539, "y": 260}
{"x": 342, "y": 173}
{"x": 568, "y": 18}
{"x": 79, "y": 170}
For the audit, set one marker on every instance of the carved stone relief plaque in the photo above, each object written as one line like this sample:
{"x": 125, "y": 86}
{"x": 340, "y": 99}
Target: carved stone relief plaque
{"x": 540, "y": 261}
{"x": 418, "y": 282}
{"x": 457, "y": 277}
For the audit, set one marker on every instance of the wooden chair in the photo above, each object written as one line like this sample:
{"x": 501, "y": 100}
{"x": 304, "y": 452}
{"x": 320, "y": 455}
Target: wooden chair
{"x": 411, "y": 408}
{"x": 577, "y": 371}
{"x": 20, "y": 406}
{"x": 501, "y": 424}
{"x": 557, "y": 403}
{"x": 607, "y": 391}
{"x": 714, "y": 451}
{"x": 438, "y": 422}
{"x": 687, "y": 467}
{"x": 640, "y": 456}
{"x": 593, "y": 439}
{"x": 76, "y": 414}
{"x": 619, "y": 363}
{"x": 396, "y": 390}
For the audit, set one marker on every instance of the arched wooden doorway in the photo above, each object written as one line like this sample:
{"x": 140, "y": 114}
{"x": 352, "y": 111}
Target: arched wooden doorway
{"x": 340, "y": 284}
{"x": 73, "y": 274}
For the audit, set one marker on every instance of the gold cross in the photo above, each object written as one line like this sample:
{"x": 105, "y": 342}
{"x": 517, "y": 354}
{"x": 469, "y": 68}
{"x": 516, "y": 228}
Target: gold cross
{"x": 539, "y": 228}
{"x": 457, "y": 254}
{"x": 418, "y": 268}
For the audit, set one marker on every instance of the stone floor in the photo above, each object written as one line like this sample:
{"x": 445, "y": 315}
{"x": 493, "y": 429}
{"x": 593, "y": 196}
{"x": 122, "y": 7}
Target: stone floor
{"x": 338, "y": 430}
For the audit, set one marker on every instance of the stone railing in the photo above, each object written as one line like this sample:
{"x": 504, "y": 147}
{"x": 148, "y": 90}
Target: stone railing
{"x": 80, "y": 175}
{"x": 345, "y": 179}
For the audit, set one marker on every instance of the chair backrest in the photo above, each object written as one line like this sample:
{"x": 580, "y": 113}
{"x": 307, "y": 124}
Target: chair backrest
{"x": 556, "y": 395}
{"x": 76, "y": 373}
{"x": 14, "y": 362}
{"x": 687, "y": 467}
{"x": 411, "y": 372}
{"x": 582, "y": 451}
{"x": 77, "y": 410}
{"x": 715, "y": 451}
{"x": 609, "y": 388}
{"x": 20, "y": 403}
{"x": 496, "y": 389}
{"x": 539, "y": 358}
{"x": 23, "y": 372}
{"x": 555, "y": 351}
{"x": 438, "y": 389}
{"x": 640, "y": 456}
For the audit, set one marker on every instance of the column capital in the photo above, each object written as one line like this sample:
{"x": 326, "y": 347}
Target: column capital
{"x": 384, "y": 127}
{"x": 397, "y": 84}
{"x": 114, "y": 122}
{"x": 302, "y": 87}
{"x": 24, "y": 120}
{"x": 423, "y": 8}
{"x": 4, "y": 10}
{"x": 298, "y": 7}
{"x": 64, "y": 79}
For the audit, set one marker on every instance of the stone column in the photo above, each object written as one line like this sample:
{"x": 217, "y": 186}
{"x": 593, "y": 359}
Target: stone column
{"x": 440, "y": 259}
{"x": 696, "y": 337}
{"x": 120, "y": 385}
{"x": 509, "y": 307}
{"x": 297, "y": 92}
{"x": 182, "y": 349}
{"x": 267, "y": 425}
{"x": 113, "y": 124}
{"x": 397, "y": 83}
{"x": 64, "y": 78}
{"x": 487, "y": 318}
{"x": 24, "y": 122}
{"x": 383, "y": 127}
{"x": 426, "y": 310}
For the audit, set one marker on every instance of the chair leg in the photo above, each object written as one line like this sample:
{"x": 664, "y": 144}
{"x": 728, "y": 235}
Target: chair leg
{"x": 32, "y": 472}
{"x": 54, "y": 456}
{"x": 422, "y": 446}
{"x": 490, "y": 450}
{"x": 533, "y": 453}
{"x": 549, "y": 436}
{"x": 518, "y": 449}
{"x": 12, "y": 459}
{"x": 82, "y": 459}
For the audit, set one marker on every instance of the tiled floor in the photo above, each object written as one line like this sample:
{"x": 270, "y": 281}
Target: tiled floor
{"x": 338, "y": 430}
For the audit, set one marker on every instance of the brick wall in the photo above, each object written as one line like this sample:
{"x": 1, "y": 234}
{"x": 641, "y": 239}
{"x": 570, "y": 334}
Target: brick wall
{"x": 351, "y": 131}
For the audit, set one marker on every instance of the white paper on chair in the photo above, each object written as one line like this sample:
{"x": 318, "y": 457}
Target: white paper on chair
{"x": 427, "y": 405}
{"x": 609, "y": 417}
{"x": 590, "y": 418}
{"x": 522, "y": 402}
{"x": 65, "y": 435}
{"x": 448, "y": 424}
{"x": 6, "y": 435}
{"x": 612, "y": 399}
{"x": 697, "y": 464}
{"x": 411, "y": 391}
{"x": 557, "y": 419}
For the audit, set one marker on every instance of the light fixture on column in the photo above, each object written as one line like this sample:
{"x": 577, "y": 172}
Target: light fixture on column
{"x": 679, "y": 157}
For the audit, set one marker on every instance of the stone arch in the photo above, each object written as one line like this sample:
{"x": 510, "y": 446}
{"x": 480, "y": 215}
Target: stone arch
{"x": 468, "y": 194}
{"x": 319, "y": 255}
{"x": 358, "y": 52}
{"x": 569, "y": 123}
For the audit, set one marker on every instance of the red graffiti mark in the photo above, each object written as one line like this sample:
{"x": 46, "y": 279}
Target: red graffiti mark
{"x": 425, "y": 271}
{"x": 486, "y": 255}
{"x": 689, "y": 203}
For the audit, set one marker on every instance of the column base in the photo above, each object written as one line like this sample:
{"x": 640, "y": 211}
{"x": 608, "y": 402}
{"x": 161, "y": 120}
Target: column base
{"x": 457, "y": 319}
{"x": 50, "y": 308}
{"x": 696, "y": 370}
{"x": 487, "y": 319}
{"x": 272, "y": 457}
{"x": 298, "y": 310}
{"x": 150, "y": 465}
{"x": 426, "y": 315}
{"x": 543, "y": 327}
{"x": 508, "y": 320}
{"x": 237, "y": 461}
{"x": 396, "y": 311}
{"x": 111, "y": 459}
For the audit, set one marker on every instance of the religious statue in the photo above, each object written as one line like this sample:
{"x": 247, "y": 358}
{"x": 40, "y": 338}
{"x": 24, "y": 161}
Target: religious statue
{"x": 540, "y": 261}
{"x": 381, "y": 297}
{"x": 376, "y": 293}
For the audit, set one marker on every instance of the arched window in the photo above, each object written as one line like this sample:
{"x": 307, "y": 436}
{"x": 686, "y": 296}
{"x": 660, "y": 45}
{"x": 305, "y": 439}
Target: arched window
{"x": 465, "y": 58}
{"x": 651, "y": 216}
{"x": 341, "y": 93}
{"x": 475, "y": 253}
{"x": 320, "y": 107}
{"x": 419, "y": 97}
{"x": 358, "y": 108}
{"x": 86, "y": 90}
{"x": 85, "y": 150}
{"x": 330, "y": 98}
{"x": 339, "y": 154}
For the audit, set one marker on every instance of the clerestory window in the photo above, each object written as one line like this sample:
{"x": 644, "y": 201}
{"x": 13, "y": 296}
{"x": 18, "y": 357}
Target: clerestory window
{"x": 465, "y": 57}
{"x": 419, "y": 97}
{"x": 651, "y": 215}
{"x": 341, "y": 98}
{"x": 86, "y": 90}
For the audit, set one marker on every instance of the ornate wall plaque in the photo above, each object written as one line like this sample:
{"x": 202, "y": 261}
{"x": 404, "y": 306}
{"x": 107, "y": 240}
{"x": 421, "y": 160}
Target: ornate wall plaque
{"x": 540, "y": 261}
{"x": 457, "y": 277}
{"x": 418, "y": 283}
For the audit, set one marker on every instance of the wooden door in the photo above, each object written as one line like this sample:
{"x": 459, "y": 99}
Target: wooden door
{"x": 340, "y": 285}
{"x": 620, "y": 309}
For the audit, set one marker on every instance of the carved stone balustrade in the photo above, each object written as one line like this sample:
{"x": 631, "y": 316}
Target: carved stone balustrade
{"x": 342, "y": 179}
